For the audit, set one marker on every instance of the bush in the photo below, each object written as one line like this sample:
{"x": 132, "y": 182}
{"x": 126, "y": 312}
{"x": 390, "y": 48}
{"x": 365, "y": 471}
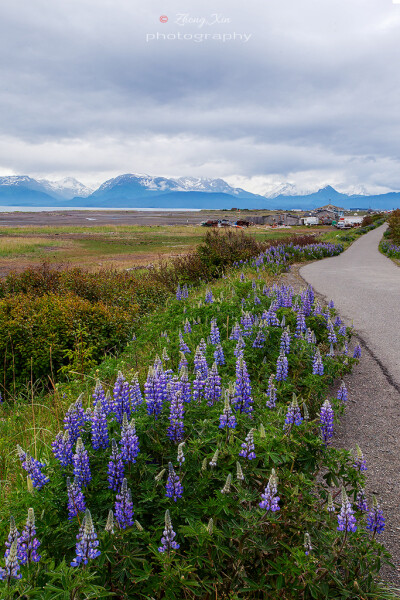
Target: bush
{"x": 394, "y": 226}
{"x": 41, "y": 334}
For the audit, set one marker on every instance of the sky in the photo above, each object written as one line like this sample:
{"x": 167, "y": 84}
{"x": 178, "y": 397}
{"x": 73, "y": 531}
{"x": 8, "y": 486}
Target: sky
{"x": 259, "y": 93}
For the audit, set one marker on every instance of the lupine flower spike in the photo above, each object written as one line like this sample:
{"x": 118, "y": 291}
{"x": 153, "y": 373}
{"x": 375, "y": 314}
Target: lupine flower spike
{"x": 375, "y": 519}
{"x": 248, "y": 447}
{"x": 81, "y": 464}
{"x": 239, "y": 472}
{"x": 361, "y": 501}
{"x": 357, "y": 351}
{"x": 76, "y": 499}
{"x": 168, "y": 538}
{"x": 115, "y": 468}
{"x": 213, "y": 461}
{"x": 269, "y": 498}
{"x": 346, "y": 518}
{"x": 359, "y": 460}
{"x": 181, "y": 457}
{"x": 110, "y": 523}
{"x": 28, "y": 542}
{"x": 326, "y": 422}
{"x": 227, "y": 487}
{"x": 124, "y": 506}
{"x": 342, "y": 392}
{"x": 293, "y": 415}
{"x": 86, "y": 547}
{"x": 330, "y": 506}
{"x": 307, "y": 544}
{"x": 12, "y": 565}
{"x": 173, "y": 487}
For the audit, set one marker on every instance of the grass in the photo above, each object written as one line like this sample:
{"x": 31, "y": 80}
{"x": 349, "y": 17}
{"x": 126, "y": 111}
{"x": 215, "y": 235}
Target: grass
{"x": 21, "y": 246}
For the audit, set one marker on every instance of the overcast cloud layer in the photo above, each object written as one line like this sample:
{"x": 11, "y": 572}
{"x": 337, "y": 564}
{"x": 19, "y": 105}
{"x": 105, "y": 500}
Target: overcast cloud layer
{"x": 312, "y": 96}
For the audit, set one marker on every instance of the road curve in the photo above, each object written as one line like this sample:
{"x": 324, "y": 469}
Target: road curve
{"x": 365, "y": 287}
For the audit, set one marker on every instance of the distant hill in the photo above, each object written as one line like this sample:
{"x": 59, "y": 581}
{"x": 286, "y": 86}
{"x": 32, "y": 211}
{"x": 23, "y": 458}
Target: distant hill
{"x": 145, "y": 191}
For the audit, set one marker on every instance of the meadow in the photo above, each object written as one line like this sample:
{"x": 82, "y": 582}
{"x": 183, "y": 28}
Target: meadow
{"x": 222, "y": 478}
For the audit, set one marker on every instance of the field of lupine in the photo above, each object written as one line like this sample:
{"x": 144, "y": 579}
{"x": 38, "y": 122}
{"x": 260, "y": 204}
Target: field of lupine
{"x": 213, "y": 475}
{"x": 390, "y": 249}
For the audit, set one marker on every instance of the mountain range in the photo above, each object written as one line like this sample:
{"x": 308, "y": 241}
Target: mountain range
{"x": 145, "y": 191}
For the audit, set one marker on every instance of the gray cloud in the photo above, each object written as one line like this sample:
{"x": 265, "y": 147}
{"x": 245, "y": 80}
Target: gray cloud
{"x": 312, "y": 97}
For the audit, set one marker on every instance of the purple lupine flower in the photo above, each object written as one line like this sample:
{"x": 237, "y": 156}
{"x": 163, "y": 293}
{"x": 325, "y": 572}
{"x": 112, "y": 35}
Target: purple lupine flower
{"x": 99, "y": 394}
{"x": 13, "y": 537}
{"x": 173, "y": 487}
{"x": 185, "y": 386}
{"x": 34, "y": 468}
{"x": 307, "y": 544}
{"x": 155, "y": 390}
{"x": 214, "y": 335}
{"x": 212, "y": 389}
{"x": 361, "y": 501}
{"x": 115, "y": 468}
{"x": 76, "y": 499}
{"x": 219, "y": 355}
{"x": 200, "y": 363}
{"x": 342, "y": 330}
{"x": 331, "y": 304}
{"x": 326, "y": 422}
{"x": 256, "y": 299}
{"x": 185, "y": 292}
{"x": 248, "y": 446}
{"x": 301, "y": 326}
{"x": 318, "y": 366}
{"x": 124, "y": 506}
{"x": 187, "y": 327}
{"x": 331, "y": 333}
{"x": 243, "y": 402}
{"x": 99, "y": 428}
{"x": 12, "y": 567}
{"x": 346, "y": 518}
{"x": 359, "y": 460}
{"x": 317, "y": 309}
{"x": 282, "y": 368}
{"x": 74, "y": 419}
{"x": 129, "y": 441}
{"x": 178, "y": 292}
{"x": 269, "y": 498}
{"x": 285, "y": 342}
{"x": 183, "y": 347}
{"x": 183, "y": 362}
{"x": 168, "y": 538}
{"x": 198, "y": 387}
{"x": 247, "y": 323}
{"x": 357, "y": 351}
{"x": 209, "y": 297}
{"x": 375, "y": 519}
{"x": 271, "y": 392}
{"x": 175, "y": 431}
{"x": 238, "y": 351}
{"x": 293, "y": 415}
{"x": 236, "y": 332}
{"x": 62, "y": 448}
{"x": 28, "y": 541}
{"x": 310, "y": 336}
{"x": 338, "y": 321}
{"x": 87, "y": 542}
{"x": 342, "y": 392}
{"x": 227, "y": 418}
{"x": 331, "y": 352}
{"x": 135, "y": 393}
{"x": 345, "y": 348}
{"x": 122, "y": 401}
{"x": 259, "y": 339}
{"x": 202, "y": 346}
{"x": 81, "y": 464}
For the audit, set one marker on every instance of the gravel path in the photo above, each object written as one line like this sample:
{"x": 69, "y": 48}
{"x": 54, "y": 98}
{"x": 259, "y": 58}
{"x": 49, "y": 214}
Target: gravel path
{"x": 365, "y": 286}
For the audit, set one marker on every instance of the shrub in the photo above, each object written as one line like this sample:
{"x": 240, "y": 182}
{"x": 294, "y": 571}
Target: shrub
{"x": 394, "y": 226}
{"x": 41, "y": 334}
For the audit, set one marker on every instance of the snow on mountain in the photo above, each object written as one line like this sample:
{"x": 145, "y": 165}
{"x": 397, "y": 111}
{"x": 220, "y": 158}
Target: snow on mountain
{"x": 66, "y": 188}
{"x": 286, "y": 189}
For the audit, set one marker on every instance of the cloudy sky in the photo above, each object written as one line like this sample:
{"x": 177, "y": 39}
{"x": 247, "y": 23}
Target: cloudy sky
{"x": 260, "y": 93}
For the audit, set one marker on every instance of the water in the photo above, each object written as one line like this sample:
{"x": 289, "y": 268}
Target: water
{"x": 6, "y": 209}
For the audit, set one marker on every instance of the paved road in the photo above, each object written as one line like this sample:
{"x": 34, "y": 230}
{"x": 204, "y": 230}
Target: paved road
{"x": 365, "y": 286}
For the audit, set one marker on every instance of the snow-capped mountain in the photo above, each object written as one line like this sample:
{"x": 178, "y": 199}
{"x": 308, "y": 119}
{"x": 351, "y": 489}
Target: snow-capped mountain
{"x": 66, "y": 188}
{"x": 286, "y": 189}
{"x": 131, "y": 184}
